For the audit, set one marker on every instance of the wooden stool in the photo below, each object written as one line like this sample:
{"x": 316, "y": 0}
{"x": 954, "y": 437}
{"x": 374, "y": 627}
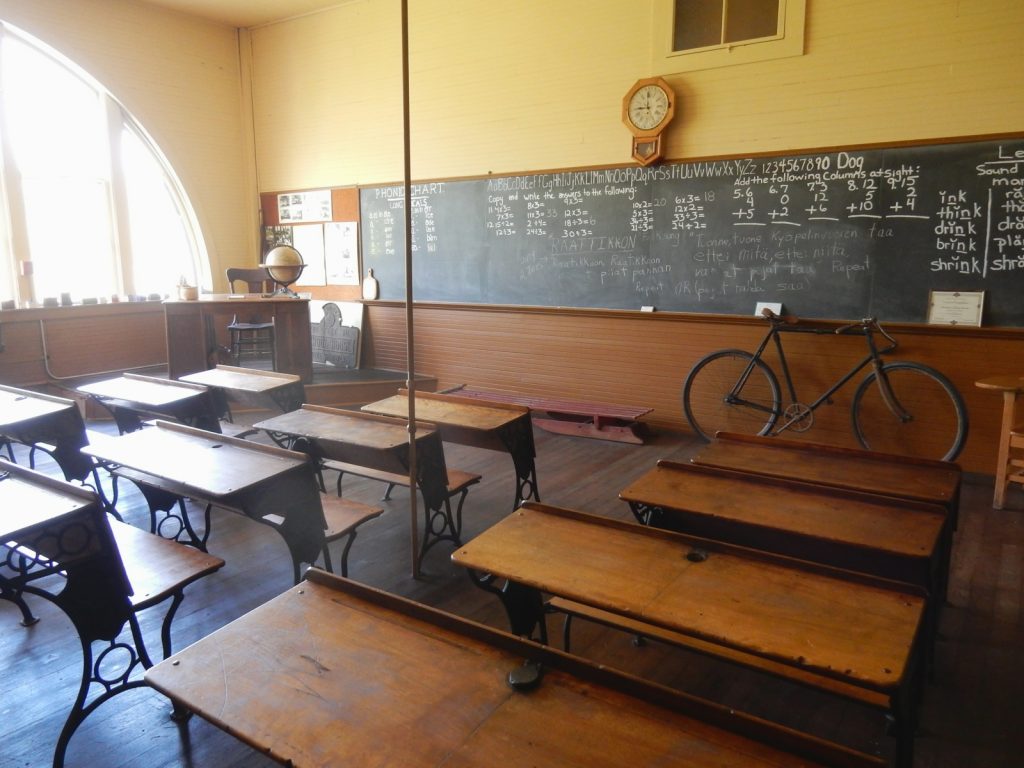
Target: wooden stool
{"x": 1011, "y": 435}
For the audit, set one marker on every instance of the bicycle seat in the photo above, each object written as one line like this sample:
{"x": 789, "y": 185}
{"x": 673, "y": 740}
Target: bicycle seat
{"x": 768, "y": 314}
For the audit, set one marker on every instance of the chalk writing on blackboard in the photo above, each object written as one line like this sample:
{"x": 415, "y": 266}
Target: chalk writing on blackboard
{"x": 842, "y": 234}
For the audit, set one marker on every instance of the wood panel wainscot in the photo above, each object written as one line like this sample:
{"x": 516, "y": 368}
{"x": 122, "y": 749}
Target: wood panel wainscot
{"x": 44, "y": 345}
{"x": 643, "y": 358}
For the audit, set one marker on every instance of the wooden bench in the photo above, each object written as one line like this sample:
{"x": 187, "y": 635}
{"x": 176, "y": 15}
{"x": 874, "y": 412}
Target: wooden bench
{"x": 572, "y": 609}
{"x": 159, "y": 569}
{"x": 605, "y": 421}
{"x": 458, "y": 484}
{"x": 343, "y": 517}
{"x": 459, "y": 481}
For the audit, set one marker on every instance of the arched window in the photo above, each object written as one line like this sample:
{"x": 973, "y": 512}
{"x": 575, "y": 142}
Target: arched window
{"x": 91, "y": 207}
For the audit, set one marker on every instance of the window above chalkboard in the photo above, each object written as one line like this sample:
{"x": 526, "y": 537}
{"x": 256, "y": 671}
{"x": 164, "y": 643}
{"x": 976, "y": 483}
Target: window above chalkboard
{"x": 703, "y": 34}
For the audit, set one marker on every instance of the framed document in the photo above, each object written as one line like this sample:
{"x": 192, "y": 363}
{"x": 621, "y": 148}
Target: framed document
{"x": 955, "y": 307}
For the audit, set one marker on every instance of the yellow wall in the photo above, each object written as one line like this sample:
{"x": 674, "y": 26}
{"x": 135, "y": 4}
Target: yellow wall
{"x": 537, "y": 85}
{"x": 180, "y": 77}
{"x": 506, "y": 87}
{"x": 512, "y": 87}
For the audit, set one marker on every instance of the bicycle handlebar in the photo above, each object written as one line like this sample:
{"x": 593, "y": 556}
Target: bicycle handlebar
{"x": 867, "y": 324}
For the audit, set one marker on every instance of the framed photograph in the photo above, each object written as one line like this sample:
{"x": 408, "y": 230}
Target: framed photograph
{"x": 955, "y": 307}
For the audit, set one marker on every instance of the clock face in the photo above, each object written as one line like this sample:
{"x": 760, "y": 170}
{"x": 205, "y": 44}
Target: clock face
{"x": 648, "y": 107}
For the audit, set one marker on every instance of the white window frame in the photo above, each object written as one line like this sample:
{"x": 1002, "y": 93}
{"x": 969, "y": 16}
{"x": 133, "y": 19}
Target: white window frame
{"x": 789, "y": 42}
{"x": 14, "y": 245}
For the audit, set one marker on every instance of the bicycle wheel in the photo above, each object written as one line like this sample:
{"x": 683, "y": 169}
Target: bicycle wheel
{"x": 937, "y": 423}
{"x": 715, "y": 400}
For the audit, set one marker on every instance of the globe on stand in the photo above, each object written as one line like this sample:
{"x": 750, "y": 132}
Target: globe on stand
{"x": 284, "y": 265}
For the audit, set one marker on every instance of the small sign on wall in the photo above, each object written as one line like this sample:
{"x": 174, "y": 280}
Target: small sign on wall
{"x": 955, "y": 307}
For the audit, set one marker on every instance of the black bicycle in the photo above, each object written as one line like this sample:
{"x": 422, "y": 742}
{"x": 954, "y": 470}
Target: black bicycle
{"x": 900, "y": 407}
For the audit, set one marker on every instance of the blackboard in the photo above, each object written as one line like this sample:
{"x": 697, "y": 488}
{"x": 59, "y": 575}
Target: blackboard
{"x": 842, "y": 234}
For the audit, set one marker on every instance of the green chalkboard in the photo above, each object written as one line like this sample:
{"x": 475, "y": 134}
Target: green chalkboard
{"x": 843, "y": 234}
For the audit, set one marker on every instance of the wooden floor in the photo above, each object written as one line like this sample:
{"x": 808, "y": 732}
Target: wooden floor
{"x": 972, "y": 713}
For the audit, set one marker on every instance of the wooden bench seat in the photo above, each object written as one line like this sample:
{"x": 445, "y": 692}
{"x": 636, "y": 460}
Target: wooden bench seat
{"x": 343, "y": 517}
{"x": 571, "y": 609}
{"x": 158, "y": 569}
{"x": 157, "y": 566}
{"x": 458, "y": 480}
{"x": 605, "y": 421}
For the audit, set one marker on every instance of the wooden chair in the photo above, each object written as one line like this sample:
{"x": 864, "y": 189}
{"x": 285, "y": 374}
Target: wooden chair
{"x": 1010, "y": 452}
{"x": 252, "y": 336}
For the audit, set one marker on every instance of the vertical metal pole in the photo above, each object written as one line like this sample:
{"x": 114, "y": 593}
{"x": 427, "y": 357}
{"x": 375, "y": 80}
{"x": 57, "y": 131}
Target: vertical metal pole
{"x": 410, "y": 355}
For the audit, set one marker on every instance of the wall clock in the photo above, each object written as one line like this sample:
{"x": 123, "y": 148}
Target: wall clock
{"x": 647, "y": 108}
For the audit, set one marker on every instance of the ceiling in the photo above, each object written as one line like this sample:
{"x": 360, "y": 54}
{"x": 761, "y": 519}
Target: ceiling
{"x": 246, "y": 13}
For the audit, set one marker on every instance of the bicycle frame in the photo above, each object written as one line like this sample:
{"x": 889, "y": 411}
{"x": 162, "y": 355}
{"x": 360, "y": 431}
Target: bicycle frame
{"x": 874, "y": 358}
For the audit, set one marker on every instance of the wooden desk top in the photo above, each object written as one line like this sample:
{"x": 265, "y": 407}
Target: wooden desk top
{"x": 336, "y": 425}
{"x": 237, "y": 298}
{"x": 215, "y": 465}
{"x": 767, "y": 606}
{"x": 333, "y": 673}
{"x": 143, "y": 390}
{"x": 463, "y": 412}
{"x": 29, "y": 499}
{"x": 242, "y": 379}
{"x": 1006, "y": 383}
{"x": 903, "y": 477}
{"x": 884, "y": 524}
{"x": 17, "y": 405}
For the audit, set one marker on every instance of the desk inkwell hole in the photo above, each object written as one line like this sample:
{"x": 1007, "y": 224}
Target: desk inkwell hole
{"x": 527, "y": 676}
{"x": 697, "y": 555}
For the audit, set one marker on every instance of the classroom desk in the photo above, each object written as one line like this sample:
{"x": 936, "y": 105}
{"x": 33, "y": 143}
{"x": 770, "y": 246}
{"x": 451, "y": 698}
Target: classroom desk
{"x": 267, "y": 390}
{"x": 481, "y": 424}
{"x": 31, "y": 418}
{"x": 859, "y": 631}
{"x": 342, "y": 672}
{"x": 884, "y": 536}
{"x": 59, "y": 546}
{"x": 233, "y": 474}
{"x": 193, "y": 328}
{"x": 904, "y": 477}
{"x": 379, "y": 443}
{"x": 131, "y": 398}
